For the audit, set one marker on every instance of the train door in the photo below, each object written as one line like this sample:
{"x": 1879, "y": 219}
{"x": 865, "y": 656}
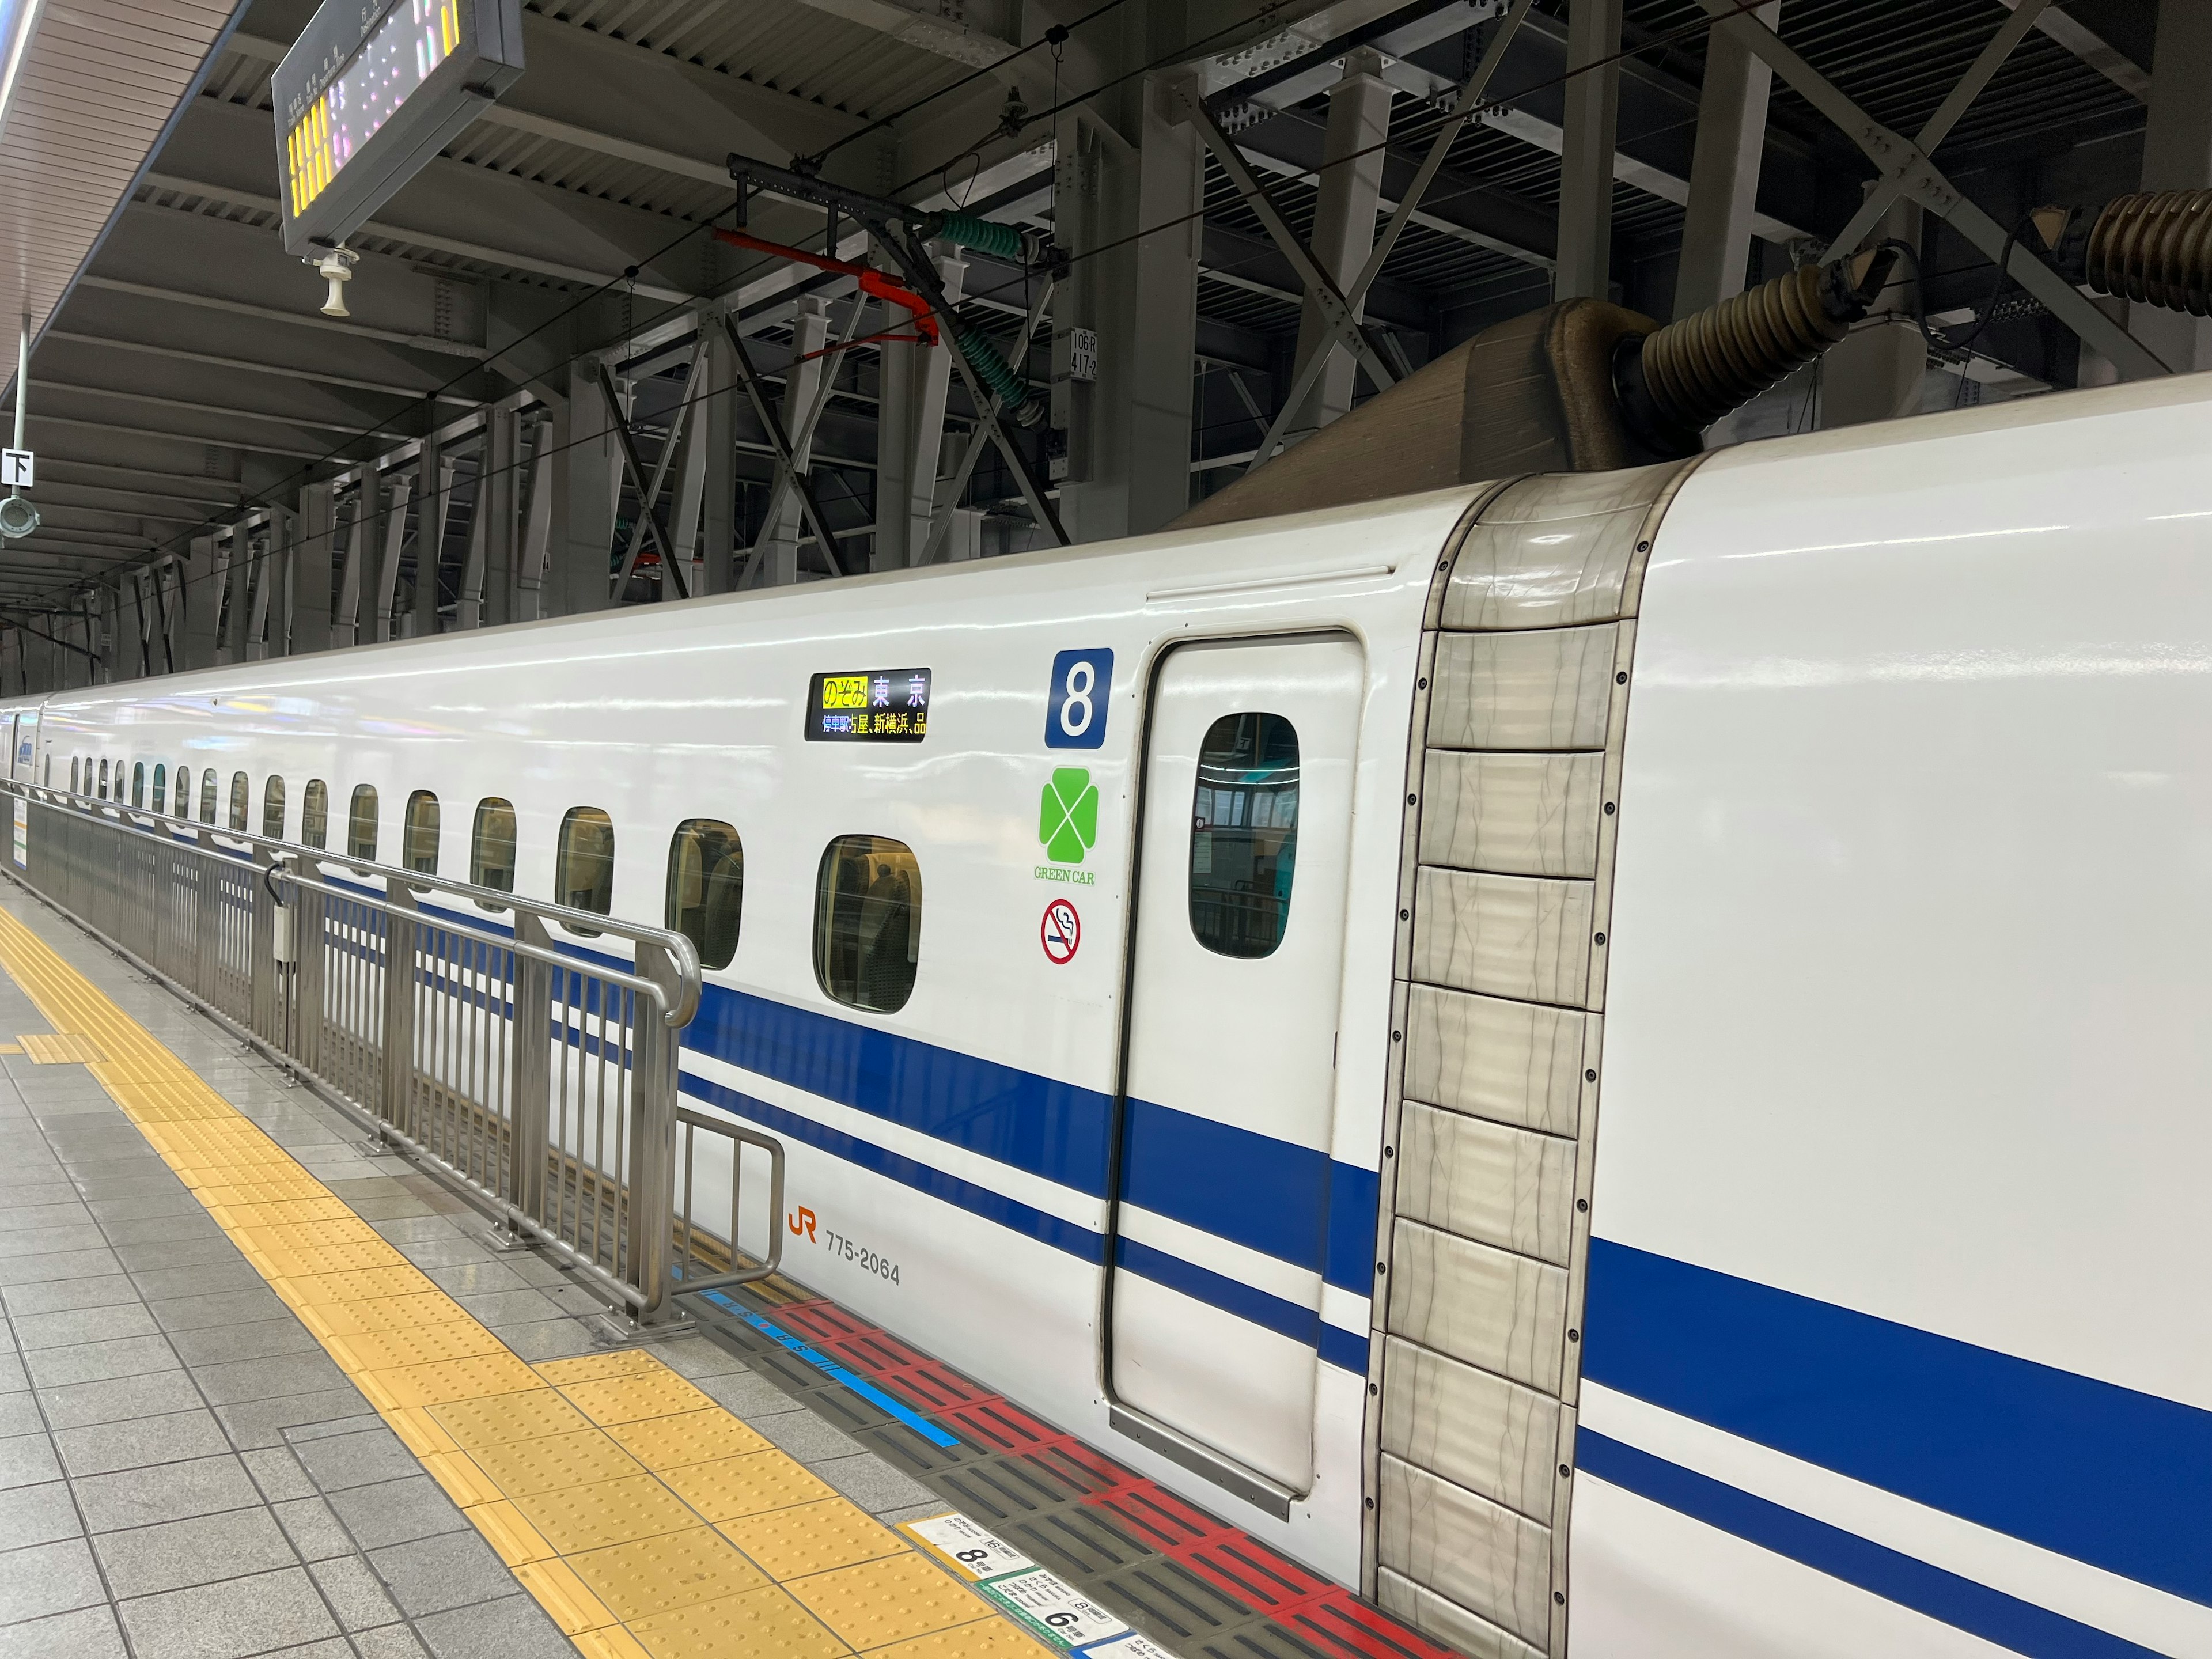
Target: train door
{"x": 1236, "y": 974}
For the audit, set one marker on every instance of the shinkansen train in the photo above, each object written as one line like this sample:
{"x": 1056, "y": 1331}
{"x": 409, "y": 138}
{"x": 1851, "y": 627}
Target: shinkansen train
{"x": 1622, "y": 1061}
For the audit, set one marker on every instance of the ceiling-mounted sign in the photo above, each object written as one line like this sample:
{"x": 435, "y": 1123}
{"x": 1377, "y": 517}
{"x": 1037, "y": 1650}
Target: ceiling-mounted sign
{"x": 371, "y": 91}
{"x": 868, "y": 705}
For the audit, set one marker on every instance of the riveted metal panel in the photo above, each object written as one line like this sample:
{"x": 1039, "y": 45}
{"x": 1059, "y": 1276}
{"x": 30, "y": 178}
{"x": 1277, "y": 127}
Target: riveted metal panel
{"x": 1507, "y": 936}
{"x": 1525, "y": 815}
{"x": 1546, "y": 691}
{"x": 1552, "y": 551}
{"x": 1507, "y": 1186}
{"x": 1475, "y": 1429}
{"x": 1489, "y": 1306}
{"x": 1478, "y": 1554}
{"x": 1514, "y": 1062}
{"x": 1432, "y": 1615}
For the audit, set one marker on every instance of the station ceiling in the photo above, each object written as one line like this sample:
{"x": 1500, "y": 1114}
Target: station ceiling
{"x": 187, "y": 371}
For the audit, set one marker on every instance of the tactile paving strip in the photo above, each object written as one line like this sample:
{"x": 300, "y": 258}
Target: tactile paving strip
{"x": 1191, "y": 1582}
{"x": 598, "y": 1480}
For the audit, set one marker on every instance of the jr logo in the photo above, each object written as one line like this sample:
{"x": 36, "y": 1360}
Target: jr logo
{"x": 802, "y": 1221}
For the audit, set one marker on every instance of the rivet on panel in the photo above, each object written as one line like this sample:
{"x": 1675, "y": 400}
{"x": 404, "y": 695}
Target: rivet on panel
{"x": 1591, "y": 1075}
{"x": 1421, "y": 684}
{"x": 1397, "y": 1037}
{"x": 1621, "y": 678}
{"x": 1574, "y": 1336}
{"x": 1413, "y": 800}
{"x": 1564, "y": 1470}
{"x": 1381, "y": 1267}
{"x": 1370, "y": 1503}
{"x": 1390, "y": 1151}
{"x": 1371, "y": 1389}
{"x": 1560, "y": 1596}
{"x": 1608, "y": 809}
{"x": 1600, "y": 938}
{"x": 1582, "y": 1204}
{"x": 1644, "y": 547}
{"x": 1405, "y": 916}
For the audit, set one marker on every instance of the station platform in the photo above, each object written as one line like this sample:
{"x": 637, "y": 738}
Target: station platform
{"x": 272, "y": 1389}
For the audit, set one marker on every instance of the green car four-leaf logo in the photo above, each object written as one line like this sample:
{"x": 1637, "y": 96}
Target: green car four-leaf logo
{"x": 1067, "y": 819}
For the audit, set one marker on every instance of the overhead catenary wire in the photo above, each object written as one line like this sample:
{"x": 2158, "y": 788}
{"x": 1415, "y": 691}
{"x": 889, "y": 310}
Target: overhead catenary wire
{"x": 181, "y": 542}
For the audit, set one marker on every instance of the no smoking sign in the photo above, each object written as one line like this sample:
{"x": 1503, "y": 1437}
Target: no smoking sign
{"x": 1062, "y": 932}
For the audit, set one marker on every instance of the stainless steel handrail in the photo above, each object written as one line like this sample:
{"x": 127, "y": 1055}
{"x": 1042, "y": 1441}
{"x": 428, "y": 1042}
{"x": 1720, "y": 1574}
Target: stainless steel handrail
{"x": 541, "y": 1076}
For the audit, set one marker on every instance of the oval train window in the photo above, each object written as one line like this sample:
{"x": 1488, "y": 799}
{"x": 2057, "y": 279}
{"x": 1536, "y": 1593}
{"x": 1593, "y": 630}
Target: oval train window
{"x": 1245, "y": 834}
{"x": 138, "y": 783}
{"x": 361, "y": 824}
{"x": 272, "y": 807}
{"x": 161, "y": 789}
{"x": 315, "y": 814}
{"x": 419, "y": 850}
{"x": 707, "y": 888}
{"x": 491, "y": 848}
{"x": 584, "y": 865}
{"x": 207, "y": 794}
{"x": 868, "y": 922}
{"x": 241, "y": 800}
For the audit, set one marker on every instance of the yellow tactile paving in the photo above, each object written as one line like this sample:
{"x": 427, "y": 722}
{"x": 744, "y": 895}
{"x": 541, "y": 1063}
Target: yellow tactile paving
{"x": 46, "y": 1050}
{"x": 600, "y": 1480}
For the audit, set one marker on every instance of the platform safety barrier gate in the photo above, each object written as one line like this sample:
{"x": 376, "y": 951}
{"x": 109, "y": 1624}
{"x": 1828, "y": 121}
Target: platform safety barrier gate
{"x": 573, "y": 1136}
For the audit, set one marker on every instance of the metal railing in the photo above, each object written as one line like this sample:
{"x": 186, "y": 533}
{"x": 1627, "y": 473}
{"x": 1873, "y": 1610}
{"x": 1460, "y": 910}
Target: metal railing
{"x": 541, "y": 1076}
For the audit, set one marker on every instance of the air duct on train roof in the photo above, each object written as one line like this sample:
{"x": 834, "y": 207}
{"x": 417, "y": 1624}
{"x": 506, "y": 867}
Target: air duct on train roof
{"x": 1585, "y": 386}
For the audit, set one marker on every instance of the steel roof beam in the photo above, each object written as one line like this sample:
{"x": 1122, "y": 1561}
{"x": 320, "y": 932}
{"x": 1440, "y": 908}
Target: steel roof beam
{"x": 2086, "y": 44}
{"x": 927, "y": 28}
{"x": 247, "y": 365}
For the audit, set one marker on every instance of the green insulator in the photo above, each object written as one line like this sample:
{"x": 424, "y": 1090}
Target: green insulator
{"x": 969, "y": 231}
{"x": 983, "y": 356}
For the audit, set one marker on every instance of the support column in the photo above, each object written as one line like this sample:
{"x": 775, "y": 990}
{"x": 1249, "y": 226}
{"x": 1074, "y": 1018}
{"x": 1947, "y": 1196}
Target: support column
{"x": 1344, "y": 223}
{"x": 1876, "y": 372}
{"x": 1593, "y": 111}
{"x": 2177, "y": 155}
{"x": 932, "y": 383}
{"x": 278, "y": 573}
{"x": 1128, "y": 434}
{"x": 897, "y": 372}
{"x": 238, "y": 607}
{"x": 500, "y": 487}
{"x": 404, "y": 491}
{"x": 802, "y": 383}
{"x": 312, "y": 560}
{"x": 586, "y": 474}
{"x": 716, "y": 426}
{"x": 430, "y": 537}
{"x": 201, "y": 590}
{"x": 1724, "y": 169}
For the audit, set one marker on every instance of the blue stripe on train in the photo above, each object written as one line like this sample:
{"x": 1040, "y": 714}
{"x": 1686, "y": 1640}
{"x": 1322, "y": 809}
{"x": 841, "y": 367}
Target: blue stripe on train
{"x": 1995, "y": 1617}
{"x": 2105, "y": 1474}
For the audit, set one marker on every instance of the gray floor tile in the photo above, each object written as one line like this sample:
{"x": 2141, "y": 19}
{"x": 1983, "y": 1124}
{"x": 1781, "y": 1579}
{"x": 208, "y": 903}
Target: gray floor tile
{"x": 67, "y": 1264}
{"x": 393, "y": 1641}
{"x": 701, "y": 1357}
{"x": 226, "y": 1620}
{"x": 262, "y": 1338}
{"x": 20, "y": 1414}
{"x": 360, "y": 1459}
{"x": 432, "y": 1575}
{"x": 872, "y": 1484}
{"x": 238, "y": 1381}
{"x": 164, "y": 1492}
{"x": 77, "y": 1404}
{"x": 50, "y": 1241}
{"x": 64, "y": 1212}
{"x": 516, "y": 1628}
{"x": 28, "y": 1460}
{"x": 396, "y": 1512}
{"x": 355, "y": 1594}
{"x": 177, "y": 1554}
{"x": 511, "y": 1308}
{"x": 220, "y": 1309}
{"x": 451, "y": 1252}
{"x": 751, "y": 1396}
{"x": 278, "y": 1474}
{"x": 135, "y": 1441}
{"x": 475, "y": 1278}
{"x": 360, "y": 1423}
{"x": 60, "y": 1295}
{"x": 361, "y": 1187}
{"x": 543, "y": 1339}
{"x": 263, "y": 1422}
{"x": 162, "y": 1229}
{"x": 87, "y": 1634}
{"x": 13, "y": 1378}
{"x": 216, "y": 1251}
{"x": 536, "y": 1270}
{"x": 37, "y": 1514}
{"x": 387, "y": 1209}
{"x": 418, "y": 1230}
{"x": 122, "y": 1189}
{"x": 54, "y": 1330}
{"x": 168, "y": 1284}
{"x": 313, "y": 1528}
{"x": 99, "y": 1362}
{"x": 181, "y": 1203}
{"x": 48, "y": 1579}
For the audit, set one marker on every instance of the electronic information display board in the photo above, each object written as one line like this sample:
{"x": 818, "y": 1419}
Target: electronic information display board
{"x": 868, "y": 705}
{"x": 371, "y": 91}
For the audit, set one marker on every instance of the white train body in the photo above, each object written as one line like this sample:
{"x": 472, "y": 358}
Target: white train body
{"x": 1830, "y": 824}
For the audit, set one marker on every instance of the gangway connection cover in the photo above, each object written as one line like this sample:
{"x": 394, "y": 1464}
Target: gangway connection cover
{"x": 371, "y": 91}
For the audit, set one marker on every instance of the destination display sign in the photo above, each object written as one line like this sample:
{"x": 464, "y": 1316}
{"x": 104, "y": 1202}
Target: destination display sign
{"x": 868, "y": 705}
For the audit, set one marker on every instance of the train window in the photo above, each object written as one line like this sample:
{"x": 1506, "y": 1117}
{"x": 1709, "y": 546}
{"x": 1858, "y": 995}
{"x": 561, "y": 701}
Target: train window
{"x": 707, "y": 887}
{"x": 315, "y": 814}
{"x": 138, "y": 783}
{"x": 272, "y": 807}
{"x": 360, "y": 824}
{"x": 241, "y": 800}
{"x": 868, "y": 922}
{"x": 583, "y": 864}
{"x": 419, "y": 842}
{"x": 162, "y": 787}
{"x": 1245, "y": 834}
{"x": 73, "y": 789}
{"x": 491, "y": 848}
{"x": 103, "y": 779}
{"x": 207, "y": 794}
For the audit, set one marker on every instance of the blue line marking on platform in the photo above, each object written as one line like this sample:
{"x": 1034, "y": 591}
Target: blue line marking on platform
{"x": 822, "y": 1362}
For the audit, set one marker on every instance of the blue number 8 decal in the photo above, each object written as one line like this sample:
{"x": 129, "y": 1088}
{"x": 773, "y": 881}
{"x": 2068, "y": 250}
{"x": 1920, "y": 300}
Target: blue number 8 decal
{"x": 1075, "y": 714}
